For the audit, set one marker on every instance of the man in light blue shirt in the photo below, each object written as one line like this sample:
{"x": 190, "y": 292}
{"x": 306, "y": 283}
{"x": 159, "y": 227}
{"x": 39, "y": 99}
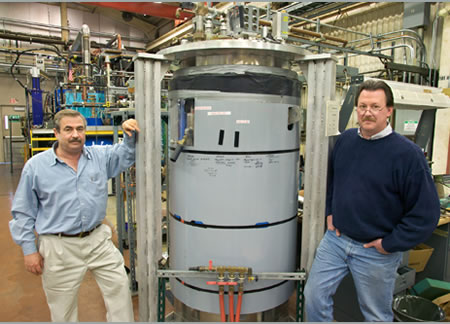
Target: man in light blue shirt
{"x": 62, "y": 196}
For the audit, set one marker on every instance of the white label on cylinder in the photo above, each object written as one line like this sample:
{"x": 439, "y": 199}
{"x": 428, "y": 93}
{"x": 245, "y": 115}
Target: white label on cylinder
{"x": 219, "y": 113}
{"x": 203, "y": 108}
{"x": 242, "y": 121}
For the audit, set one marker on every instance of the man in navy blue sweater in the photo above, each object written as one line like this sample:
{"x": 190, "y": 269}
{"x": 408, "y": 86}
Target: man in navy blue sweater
{"x": 381, "y": 201}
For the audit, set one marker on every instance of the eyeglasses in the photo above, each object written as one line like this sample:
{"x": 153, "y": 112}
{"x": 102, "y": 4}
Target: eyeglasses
{"x": 364, "y": 108}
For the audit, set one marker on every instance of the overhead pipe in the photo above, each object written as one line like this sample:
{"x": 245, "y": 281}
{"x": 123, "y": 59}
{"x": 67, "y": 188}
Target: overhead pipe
{"x": 167, "y": 38}
{"x": 316, "y": 43}
{"x": 381, "y": 39}
{"x": 296, "y": 30}
{"x": 52, "y": 41}
{"x": 147, "y": 8}
{"x": 19, "y": 22}
{"x": 31, "y": 39}
{"x": 340, "y": 11}
{"x": 328, "y": 25}
{"x": 320, "y": 35}
{"x": 411, "y": 49}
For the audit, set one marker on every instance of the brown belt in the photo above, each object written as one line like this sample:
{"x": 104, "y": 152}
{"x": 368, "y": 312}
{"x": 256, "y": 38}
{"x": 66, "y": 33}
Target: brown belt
{"x": 80, "y": 235}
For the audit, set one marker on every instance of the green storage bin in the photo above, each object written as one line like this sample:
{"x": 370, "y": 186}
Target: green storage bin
{"x": 431, "y": 288}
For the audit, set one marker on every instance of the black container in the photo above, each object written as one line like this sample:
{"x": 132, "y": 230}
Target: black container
{"x": 410, "y": 308}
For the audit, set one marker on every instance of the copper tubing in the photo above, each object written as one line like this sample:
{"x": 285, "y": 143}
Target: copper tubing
{"x": 309, "y": 39}
{"x": 238, "y": 309}
{"x": 320, "y": 35}
{"x": 231, "y": 303}
{"x": 265, "y": 23}
{"x": 222, "y": 304}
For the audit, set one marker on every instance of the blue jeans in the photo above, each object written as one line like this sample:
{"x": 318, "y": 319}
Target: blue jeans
{"x": 373, "y": 273}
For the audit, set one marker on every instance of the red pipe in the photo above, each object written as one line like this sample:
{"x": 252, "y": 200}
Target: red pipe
{"x": 231, "y": 304}
{"x": 222, "y": 304}
{"x": 238, "y": 309}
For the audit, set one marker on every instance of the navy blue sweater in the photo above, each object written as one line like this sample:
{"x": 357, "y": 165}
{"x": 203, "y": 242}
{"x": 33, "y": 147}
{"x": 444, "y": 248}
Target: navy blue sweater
{"x": 382, "y": 189}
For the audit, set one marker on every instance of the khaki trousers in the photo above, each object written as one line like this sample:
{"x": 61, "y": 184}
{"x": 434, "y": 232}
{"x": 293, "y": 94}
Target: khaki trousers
{"x": 66, "y": 260}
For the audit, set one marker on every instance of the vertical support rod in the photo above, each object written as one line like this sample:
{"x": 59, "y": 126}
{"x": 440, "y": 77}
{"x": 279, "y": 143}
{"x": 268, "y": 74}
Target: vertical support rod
{"x": 64, "y": 30}
{"x": 10, "y": 144}
{"x": 148, "y": 181}
{"x": 119, "y": 197}
{"x": 321, "y": 79}
{"x": 161, "y": 299}
{"x": 300, "y": 301}
{"x": 131, "y": 218}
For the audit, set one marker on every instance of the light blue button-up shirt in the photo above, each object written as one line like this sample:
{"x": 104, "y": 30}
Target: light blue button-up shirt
{"x": 54, "y": 198}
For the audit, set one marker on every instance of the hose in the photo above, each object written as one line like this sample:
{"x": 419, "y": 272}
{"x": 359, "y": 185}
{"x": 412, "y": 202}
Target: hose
{"x": 222, "y": 304}
{"x": 231, "y": 303}
{"x": 238, "y": 309}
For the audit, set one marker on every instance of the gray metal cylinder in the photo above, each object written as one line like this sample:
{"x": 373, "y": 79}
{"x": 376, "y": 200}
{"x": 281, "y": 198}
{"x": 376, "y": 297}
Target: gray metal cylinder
{"x": 233, "y": 187}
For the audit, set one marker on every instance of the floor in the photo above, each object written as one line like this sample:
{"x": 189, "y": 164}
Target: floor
{"x": 21, "y": 296}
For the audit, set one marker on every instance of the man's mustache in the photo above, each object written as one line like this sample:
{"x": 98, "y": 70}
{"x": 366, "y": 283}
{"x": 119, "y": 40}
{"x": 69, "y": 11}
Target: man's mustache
{"x": 76, "y": 140}
{"x": 369, "y": 119}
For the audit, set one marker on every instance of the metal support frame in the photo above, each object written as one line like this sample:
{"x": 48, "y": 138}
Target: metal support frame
{"x": 10, "y": 144}
{"x": 162, "y": 299}
{"x": 300, "y": 301}
{"x": 149, "y": 71}
{"x": 130, "y": 190}
{"x": 320, "y": 71}
{"x": 120, "y": 213}
{"x": 126, "y": 237}
{"x": 164, "y": 274}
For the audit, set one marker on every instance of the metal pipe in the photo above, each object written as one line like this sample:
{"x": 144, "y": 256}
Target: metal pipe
{"x": 10, "y": 142}
{"x": 419, "y": 39}
{"x": 48, "y": 40}
{"x": 337, "y": 11}
{"x": 328, "y": 25}
{"x": 412, "y": 52}
{"x": 26, "y": 23}
{"x": 25, "y": 66}
{"x": 307, "y": 32}
{"x": 321, "y": 35}
{"x": 85, "y": 49}
{"x": 31, "y": 39}
{"x": 340, "y": 49}
{"x": 423, "y": 50}
{"x": 411, "y": 49}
